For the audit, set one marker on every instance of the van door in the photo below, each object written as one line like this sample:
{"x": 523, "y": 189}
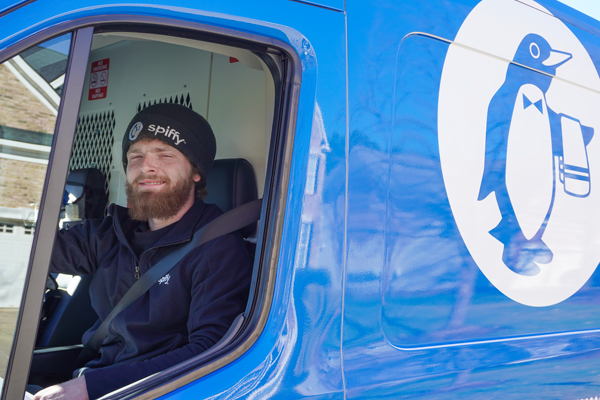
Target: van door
{"x": 297, "y": 123}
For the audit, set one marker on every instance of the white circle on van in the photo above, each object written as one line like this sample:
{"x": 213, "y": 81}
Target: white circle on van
{"x": 135, "y": 131}
{"x": 527, "y": 213}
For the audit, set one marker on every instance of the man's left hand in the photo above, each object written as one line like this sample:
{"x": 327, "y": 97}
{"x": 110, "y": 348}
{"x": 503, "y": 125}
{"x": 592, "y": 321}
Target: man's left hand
{"x": 74, "y": 389}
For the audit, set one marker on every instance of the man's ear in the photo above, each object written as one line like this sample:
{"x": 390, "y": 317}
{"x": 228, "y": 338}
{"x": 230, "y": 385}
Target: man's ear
{"x": 196, "y": 177}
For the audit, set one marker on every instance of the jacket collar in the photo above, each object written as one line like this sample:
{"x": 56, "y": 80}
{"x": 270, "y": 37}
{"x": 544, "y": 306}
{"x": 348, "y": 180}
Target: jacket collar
{"x": 183, "y": 230}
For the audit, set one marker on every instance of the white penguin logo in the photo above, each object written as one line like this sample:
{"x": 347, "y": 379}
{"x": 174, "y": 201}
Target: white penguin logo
{"x": 516, "y": 123}
{"x": 523, "y": 138}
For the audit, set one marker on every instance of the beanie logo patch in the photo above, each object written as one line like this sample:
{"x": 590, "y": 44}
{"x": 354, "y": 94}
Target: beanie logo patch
{"x": 135, "y": 131}
{"x": 168, "y": 132}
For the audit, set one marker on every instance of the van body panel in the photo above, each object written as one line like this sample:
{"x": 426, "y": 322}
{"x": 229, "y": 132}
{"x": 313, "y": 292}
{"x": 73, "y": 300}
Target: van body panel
{"x": 395, "y": 275}
{"x": 420, "y": 315}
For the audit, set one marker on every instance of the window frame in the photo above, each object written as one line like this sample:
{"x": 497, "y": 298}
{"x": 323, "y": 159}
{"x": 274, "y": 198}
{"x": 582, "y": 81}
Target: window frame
{"x": 286, "y": 70}
{"x": 19, "y": 362}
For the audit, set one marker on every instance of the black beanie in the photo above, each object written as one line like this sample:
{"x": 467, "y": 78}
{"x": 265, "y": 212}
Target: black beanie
{"x": 177, "y": 126}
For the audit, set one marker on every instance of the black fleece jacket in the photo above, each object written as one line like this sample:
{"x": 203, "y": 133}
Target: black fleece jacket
{"x": 182, "y": 315}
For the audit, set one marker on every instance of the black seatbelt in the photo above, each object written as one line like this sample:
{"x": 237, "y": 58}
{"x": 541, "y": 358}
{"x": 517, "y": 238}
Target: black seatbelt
{"x": 228, "y": 222}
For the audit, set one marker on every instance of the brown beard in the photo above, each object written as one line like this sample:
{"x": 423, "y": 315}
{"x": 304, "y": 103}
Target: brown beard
{"x": 163, "y": 205}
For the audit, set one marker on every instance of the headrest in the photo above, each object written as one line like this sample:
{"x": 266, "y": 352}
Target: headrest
{"x": 85, "y": 188}
{"x": 231, "y": 183}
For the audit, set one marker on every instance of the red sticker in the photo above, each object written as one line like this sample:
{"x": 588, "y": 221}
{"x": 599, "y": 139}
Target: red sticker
{"x": 99, "y": 79}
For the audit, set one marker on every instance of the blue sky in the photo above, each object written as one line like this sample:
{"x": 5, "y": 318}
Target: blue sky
{"x": 589, "y": 7}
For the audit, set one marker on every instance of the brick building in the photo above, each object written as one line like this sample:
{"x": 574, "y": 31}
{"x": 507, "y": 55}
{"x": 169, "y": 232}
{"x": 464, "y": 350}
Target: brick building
{"x": 30, "y": 86}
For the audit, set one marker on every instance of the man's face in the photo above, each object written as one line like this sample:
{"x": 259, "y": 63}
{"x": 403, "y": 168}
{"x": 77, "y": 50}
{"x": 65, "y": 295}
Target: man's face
{"x": 160, "y": 180}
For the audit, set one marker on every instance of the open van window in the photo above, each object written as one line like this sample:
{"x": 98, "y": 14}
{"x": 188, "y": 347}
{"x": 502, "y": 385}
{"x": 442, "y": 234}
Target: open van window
{"x": 31, "y": 84}
{"x": 237, "y": 87}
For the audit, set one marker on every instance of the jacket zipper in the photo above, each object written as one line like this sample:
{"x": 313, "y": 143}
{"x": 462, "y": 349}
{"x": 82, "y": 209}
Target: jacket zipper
{"x": 137, "y": 262}
{"x": 137, "y": 270}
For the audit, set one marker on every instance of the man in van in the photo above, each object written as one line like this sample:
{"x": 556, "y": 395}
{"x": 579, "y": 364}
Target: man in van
{"x": 168, "y": 151}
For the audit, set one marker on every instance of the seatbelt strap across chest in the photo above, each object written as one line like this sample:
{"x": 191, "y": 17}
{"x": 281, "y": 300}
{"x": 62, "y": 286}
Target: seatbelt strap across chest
{"x": 228, "y": 222}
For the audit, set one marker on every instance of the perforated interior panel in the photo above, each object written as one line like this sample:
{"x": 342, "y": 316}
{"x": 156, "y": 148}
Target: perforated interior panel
{"x": 94, "y": 142}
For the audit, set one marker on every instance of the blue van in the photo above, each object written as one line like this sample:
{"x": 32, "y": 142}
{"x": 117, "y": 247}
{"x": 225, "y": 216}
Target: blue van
{"x": 428, "y": 173}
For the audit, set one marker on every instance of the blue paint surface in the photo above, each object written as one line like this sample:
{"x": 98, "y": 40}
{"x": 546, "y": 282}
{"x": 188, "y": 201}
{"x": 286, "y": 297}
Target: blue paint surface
{"x": 7, "y": 5}
{"x": 377, "y": 294}
{"x": 420, "y": 316}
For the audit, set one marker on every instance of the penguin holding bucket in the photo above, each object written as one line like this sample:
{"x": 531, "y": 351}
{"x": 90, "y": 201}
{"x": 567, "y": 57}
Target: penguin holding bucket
{"x": 525, "y": 140}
